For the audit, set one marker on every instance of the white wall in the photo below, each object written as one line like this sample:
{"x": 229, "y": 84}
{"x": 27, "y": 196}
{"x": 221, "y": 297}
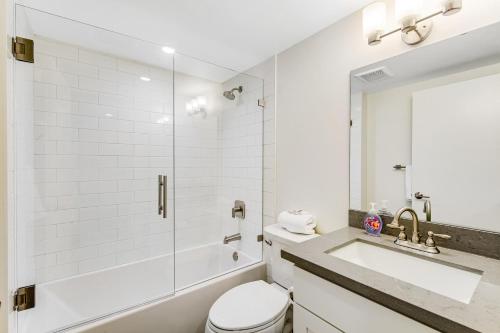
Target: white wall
{"x": 389, "y": 116}
{"x": 388, "y": 142}
{"x": 454, "y": 158}
{"x": 358, "y": 151}
{"x": 313, "y": 108}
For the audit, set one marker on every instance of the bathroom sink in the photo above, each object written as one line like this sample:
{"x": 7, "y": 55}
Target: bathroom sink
{"x": 450, "y": 281}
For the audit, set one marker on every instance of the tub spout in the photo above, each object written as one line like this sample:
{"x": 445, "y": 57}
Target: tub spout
{"x": 232, "y": 238}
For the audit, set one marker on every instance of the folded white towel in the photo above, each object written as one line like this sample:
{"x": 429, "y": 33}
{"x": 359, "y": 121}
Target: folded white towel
{"x": 297, "y": 221}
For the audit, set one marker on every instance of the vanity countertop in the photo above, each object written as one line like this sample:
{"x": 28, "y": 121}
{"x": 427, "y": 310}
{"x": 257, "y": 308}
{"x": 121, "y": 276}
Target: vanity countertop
{"x": 481, "y": 314}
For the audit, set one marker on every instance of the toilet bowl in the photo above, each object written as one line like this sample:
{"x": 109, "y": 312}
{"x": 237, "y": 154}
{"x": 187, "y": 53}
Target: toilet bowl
{"x": 258, "y": 307}
{"x": 251, "y": 307}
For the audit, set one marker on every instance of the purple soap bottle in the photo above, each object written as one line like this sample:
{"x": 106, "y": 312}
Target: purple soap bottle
{"x": 372, "y": 222}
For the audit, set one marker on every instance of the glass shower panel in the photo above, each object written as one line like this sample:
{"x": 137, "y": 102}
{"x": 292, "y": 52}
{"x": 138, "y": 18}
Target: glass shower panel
{"x": 93, "y": 172}
{"x": 218, "y": 160}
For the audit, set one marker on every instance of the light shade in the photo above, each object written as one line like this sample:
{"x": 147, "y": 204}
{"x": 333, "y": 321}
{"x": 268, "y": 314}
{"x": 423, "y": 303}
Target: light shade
{"x": 202, "y": 101}
{"x": 168, "y": 50}
{"x": 451, "y": 7}
{"x": 195, "y": 105}
{"x": 374, "y": 19}
{"x": 408, "y": 10}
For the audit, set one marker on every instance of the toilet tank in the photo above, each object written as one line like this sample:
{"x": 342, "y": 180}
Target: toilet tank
{"x": 276, "y": 238}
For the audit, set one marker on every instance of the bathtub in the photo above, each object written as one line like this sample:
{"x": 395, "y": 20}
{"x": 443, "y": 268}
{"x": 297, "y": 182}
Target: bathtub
{"x": 62, "y": 304}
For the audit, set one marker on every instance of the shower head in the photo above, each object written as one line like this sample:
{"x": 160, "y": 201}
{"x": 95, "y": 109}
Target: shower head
{"x": 230, "y": 93}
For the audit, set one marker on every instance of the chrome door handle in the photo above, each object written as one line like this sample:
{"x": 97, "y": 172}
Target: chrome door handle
{"x": 162, "y": 196}
{"x": 160, "y": 202}
{"x": 421, "y": 196}
{"x": 165, "y": 197}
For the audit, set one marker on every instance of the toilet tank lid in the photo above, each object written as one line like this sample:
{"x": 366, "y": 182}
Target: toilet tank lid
{"x": 277, "y": 233}
{"x": 248, "y": 306}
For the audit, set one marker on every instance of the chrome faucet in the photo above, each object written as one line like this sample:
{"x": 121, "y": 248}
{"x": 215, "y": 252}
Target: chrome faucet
{"x": 429, "y": 246}
{"x": 428, "y": 210}
{"x": 232, "y": 238}
{"x": 415, "y": 237}
{"x": 427, "y": 205}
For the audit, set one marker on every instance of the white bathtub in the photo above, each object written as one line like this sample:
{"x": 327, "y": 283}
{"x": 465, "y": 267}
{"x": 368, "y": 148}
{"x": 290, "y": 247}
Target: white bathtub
{"x": 61, "y": 304}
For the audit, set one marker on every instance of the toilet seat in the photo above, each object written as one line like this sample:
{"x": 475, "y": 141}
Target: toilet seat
{"x": 257, "y": 329}
{"x": 248, "y": 308}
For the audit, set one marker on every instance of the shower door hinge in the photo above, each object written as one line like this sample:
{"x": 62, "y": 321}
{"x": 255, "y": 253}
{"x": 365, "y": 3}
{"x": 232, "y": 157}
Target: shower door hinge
{"x": 23, "y": 49}
{"x": 24, "y": 298}
{"x": 260, "y": 238}
{"x": 261, "y": 102}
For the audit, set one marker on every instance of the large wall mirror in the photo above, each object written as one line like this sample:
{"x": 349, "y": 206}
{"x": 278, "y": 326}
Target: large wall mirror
{"x": 426, "y": 132}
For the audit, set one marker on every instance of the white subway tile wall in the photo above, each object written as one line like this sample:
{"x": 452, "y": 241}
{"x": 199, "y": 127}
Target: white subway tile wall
{"x": 98, "y": 148}
{"x": 266, "y": 70}
{"x": 100, "y": 136}
{"x": 247, "y": 148}
{"x": 196, "y": 173}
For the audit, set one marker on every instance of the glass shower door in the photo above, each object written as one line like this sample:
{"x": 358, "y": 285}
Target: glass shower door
{"x": 93, "y": 172}
{"x": 218, "y": 161}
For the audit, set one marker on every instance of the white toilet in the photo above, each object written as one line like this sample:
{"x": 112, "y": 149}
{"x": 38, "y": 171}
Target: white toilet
{"x": 258, "y": 306}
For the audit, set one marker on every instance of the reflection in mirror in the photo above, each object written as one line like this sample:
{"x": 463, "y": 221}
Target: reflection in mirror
{"x": 426, "y": 132}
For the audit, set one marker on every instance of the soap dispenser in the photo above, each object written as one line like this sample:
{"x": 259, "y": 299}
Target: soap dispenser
{"x": 383, "y": 210}
{"x": 372, "y": 221}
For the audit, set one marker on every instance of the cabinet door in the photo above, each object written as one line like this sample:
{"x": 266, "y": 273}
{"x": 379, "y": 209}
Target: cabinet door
{"x": 348, "y": 311}
{"x": 306, "y": 322}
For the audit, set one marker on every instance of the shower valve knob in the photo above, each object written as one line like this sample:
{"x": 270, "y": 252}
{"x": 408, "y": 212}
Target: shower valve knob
{"x": 238, "y": 210}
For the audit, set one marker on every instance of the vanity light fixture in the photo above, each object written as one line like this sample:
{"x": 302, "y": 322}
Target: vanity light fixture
{"x": 414, "y": 26}
{"x": 168, "y": 50}
{"x": 162, "y": 120}
{"x": 197, "y": 105}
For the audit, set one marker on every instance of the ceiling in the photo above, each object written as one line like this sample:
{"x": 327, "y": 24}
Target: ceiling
{"x": 232, "y": 33}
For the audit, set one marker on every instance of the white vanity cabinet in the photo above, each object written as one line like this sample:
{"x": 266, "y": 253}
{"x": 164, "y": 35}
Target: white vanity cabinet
{"x": 306, "y": 322}
{"x": 324, "y": 307}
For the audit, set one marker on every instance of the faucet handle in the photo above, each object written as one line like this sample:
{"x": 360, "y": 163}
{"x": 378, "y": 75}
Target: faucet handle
{"x": 402, "y": 228}
{"x": 238, "y": 210}
{"x": 394, "y": 224}
{"x": 402, "y": 235}
{"x": 430, "y": 240}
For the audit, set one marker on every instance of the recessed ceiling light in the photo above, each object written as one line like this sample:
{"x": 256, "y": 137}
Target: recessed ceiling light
{"x": 145, "y": 78}
{"x": 168, "y": 50}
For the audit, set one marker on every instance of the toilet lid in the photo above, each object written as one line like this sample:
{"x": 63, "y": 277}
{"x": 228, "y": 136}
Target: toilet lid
{"x": 248, "y": 306}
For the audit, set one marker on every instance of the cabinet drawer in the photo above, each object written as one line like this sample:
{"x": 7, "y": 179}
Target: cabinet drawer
{"x": 306, "y": 322}
{"x": 348, "y": 311}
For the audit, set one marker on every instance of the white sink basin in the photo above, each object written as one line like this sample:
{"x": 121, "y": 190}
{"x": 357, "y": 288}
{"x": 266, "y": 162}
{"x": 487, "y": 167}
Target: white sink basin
{"x": 458, "y": 284}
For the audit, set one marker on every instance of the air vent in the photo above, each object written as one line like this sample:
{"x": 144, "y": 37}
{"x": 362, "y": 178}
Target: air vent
{"x": 374, "y": 75}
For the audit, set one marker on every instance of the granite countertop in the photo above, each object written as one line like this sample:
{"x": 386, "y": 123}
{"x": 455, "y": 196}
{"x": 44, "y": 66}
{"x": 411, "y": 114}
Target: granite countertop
{"x": 481, "y": 314}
